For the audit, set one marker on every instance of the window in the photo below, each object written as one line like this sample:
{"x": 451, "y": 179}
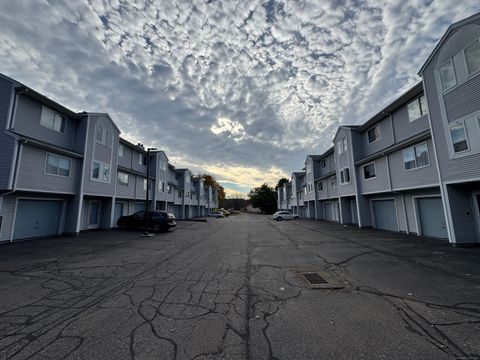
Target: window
{"x": 169, "y": 189}
{"x": 101, "y": 171}
{"x": 472, "y": 56}
{"x": 121, "y": 150}
{"x": 333, "y": 182}
{"x": 179, "y": 194}
{"x": 103, "y": 136}
{"x": 163, "y": 165}
{"x": 416, "y": 157}
{"x": 369, "y": 171}
{"x": 345, "y": 176}
{"x": 57, "y": 165}
{"x": 52, "y": 120}
{"x": 323, "y": 163}
{"x": 459, "y": 138}
{"x": 122, "y": 178}
{"x": 144, "y": 184}
{"x": 417, "y": 108}
{"x": 447, "y": 75}
{"x": 161, "y": 186}
{"x": 176, "y": 176}
{"x": 342, "y": 146}
{"x": 320, "y": 186}
{"x": 309, "y": 168}
{"x": 374, "y": 134}
{"x": 142, "y": 159}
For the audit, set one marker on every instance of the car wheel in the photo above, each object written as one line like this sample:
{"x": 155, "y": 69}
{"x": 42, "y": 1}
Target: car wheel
{"x": 296, "y": 217}
{"x": 122, "y": 226}
{"x": 156, "y": 228}
{"x": 279, "y": 218}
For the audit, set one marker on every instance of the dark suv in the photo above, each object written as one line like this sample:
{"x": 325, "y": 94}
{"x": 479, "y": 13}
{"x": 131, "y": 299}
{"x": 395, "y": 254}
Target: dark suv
{"x": 157, "y": 221}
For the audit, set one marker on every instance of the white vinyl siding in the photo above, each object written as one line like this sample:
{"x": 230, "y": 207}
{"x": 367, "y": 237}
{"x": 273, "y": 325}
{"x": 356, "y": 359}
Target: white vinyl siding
{"x": 57, "y": 165}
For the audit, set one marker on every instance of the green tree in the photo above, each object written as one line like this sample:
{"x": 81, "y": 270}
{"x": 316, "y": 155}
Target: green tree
{"x": 281, "y": 182}
{"x": 211, "y": 181}
{"x": 264, "y": 197}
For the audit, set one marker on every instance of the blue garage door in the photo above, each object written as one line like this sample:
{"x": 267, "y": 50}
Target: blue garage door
{"x": 432, "y": 219}
{"x": 385, "y": 215}
{"x": 329, "y": 212}
{"x": 37, "y": 218}
{"x": 138, "y": 206}
{"x": 118, "y": 212}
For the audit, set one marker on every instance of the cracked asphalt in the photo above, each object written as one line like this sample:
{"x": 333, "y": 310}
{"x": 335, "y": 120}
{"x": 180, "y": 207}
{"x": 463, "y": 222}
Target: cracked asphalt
{"x": 229, "y": 289}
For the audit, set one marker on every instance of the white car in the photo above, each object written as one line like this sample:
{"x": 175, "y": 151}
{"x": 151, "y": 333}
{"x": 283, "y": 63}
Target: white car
{"x": 284, "y": 215}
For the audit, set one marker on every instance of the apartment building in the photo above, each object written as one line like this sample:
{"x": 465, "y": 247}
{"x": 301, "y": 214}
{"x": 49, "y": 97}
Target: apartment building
{"x": 414, "y": 167}
{"x": 63, "y": 172}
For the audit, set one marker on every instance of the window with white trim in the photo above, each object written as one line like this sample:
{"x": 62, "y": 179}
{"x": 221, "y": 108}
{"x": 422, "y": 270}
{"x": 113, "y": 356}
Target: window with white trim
{"x": 320, "y": 186}
{"x": 169, "y": 189}
{"x": 323, "y": 163}
{"x": 142, "y": 159}
{"x": 103, "y": 136}
{"x": 333, "y": 182}
{"x": 459, "y": 137}
{"x": 144, "y": 184}
{"x": 101, "y": 171}
{"x": 374, "y": 134}
{"x": 52, "y": 120}
{"x": 472, "y": 57}
{"x": 161, "y": 186}
{"x": 179, "y": 194}
{"x": 345, "y": 176}
{"x": 416, "y": 157}
{"x": 122, "y": 178}
{"x": 447, "y": 75}
{"x": 342, "y": 146}
{"x": 57, "y": 165}
{"x": 369, "y": 171}
{"x": 417, "y": 108}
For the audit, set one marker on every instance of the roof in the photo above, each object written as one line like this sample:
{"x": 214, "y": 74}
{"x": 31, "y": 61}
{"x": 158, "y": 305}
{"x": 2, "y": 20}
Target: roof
{"x": 447, "y": 33}
{"x": 408, "y": 95}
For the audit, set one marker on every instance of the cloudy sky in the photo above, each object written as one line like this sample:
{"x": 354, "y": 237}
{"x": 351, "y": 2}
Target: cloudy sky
{"x": 244, "y": 89}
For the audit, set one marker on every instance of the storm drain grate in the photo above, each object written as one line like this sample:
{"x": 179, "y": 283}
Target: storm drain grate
{"x": 314, "y": 278}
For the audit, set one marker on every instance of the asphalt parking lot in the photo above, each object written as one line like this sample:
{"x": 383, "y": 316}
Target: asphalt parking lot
{"x": 230, "y": 289}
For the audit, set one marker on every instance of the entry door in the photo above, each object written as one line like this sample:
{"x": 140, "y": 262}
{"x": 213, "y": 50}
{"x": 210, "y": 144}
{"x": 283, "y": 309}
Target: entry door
{"x": 431, "y": 217}
{"x": 37, "y": 218}
{"x": 385, "y": 215}
{"x": 118, "y": 212}
{"x": 94, "y": 214}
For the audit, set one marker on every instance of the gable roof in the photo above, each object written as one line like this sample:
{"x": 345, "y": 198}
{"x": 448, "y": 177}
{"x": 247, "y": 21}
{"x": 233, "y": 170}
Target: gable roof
{"x": 447, "y": 33}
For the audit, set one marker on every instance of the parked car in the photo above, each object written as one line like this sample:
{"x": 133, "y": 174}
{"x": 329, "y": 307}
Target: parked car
{"x": 284, "y": 215}
{"x": 157, "y": 221}
{"x": 217, "y": 214}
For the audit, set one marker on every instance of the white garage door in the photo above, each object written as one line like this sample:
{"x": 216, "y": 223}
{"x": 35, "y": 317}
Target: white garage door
{"x": 431, "y": 217}
{"x": 329, "y": 212}
{"x": 37, "y": 218}
{"x": 385, "y": 215}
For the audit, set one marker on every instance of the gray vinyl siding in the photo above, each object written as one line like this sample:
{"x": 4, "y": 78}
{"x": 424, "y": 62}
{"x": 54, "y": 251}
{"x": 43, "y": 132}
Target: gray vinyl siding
{"x": 403, "y": 128}
{"x": 7, "y": 211}
{"x": 309, "y": 178}
{"x": 126, "y": 191}
{"x": 96, "y": 151}
{"x": 80, "y": 135}
{"x": 345, "y": 160}
{"x": 450, "y": 169}
{"x": 460, "y": 206}
{"x": 331, "y": 192}
{"x": 126, "y": 159}
{"x": 386, "y": 138}
{"x": 330, "y": 165}
{"x": 135, "y": 165}
{"x": 32, "y": 176}
{"x": 139, "y": 192}
{"x": 423, "y": 176}
{"x": 463, "y": 100}
{"x": 27, "y": 122}
{"x": 377, "y": 184}
{"x": 6, "y": 141}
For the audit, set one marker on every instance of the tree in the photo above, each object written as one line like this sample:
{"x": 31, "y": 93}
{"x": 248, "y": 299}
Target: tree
{"x": 281, "y": 182}
{"x": 211, "y": 181}
{"x": 264, "y": 197}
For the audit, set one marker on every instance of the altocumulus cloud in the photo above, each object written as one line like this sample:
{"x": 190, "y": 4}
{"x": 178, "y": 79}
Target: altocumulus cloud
{"x": 241, "y": 89}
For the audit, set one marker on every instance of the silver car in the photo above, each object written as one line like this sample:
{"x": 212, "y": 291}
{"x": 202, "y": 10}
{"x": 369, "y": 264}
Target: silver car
{"x": 284, "y": 215}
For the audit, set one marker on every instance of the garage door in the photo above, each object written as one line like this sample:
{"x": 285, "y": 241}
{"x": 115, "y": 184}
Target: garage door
{"x": 194, "y": 211}
{"x": 329, "y": 212}
{"x": 385, "y": 215}
{"x": 138, "y": 206}
{"x": 37, "y": 218}
{"x": 431, "y": 217}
